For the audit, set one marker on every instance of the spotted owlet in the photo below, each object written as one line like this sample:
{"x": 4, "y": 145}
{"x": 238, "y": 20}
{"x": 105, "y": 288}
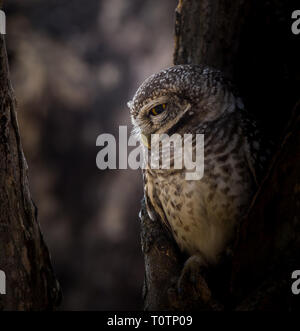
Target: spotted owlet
{"x": 202, "y": 215}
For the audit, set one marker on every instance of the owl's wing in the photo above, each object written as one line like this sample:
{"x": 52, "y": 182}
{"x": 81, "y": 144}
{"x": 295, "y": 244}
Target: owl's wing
{"x": 258, "y": 148}
{"x": 153, "y": 205}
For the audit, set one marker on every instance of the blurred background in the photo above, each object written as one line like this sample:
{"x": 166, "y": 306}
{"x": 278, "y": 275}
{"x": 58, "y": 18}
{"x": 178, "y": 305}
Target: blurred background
{"x": 74, "y": 65}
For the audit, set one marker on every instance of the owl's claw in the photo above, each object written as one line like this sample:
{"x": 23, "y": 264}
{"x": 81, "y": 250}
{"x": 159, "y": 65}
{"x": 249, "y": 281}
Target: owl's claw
{"x": 192, "y": 279}
{"x": 191, "y": 291}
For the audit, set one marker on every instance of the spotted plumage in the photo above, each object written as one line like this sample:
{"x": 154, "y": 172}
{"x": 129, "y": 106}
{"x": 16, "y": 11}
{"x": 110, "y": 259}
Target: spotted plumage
{"x": 202, "y": 215}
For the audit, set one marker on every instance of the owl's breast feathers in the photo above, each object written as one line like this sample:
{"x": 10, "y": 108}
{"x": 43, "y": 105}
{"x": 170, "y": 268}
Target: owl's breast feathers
{"x": 202, "y": 214}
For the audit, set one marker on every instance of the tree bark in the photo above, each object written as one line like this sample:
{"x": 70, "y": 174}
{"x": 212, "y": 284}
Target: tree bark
{"x": 252, "y": 43}
{"x": 268, "y": 247}
{"x": 24, "y": 257}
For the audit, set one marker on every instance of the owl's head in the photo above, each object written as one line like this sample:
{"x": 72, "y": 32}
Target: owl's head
{"x": 179, "y": 98}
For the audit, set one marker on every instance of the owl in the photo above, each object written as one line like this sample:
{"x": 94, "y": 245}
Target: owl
{"x": 201, "y": 215}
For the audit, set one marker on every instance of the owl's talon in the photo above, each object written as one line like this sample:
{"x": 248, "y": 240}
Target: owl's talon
{"x": 192, "y": 280}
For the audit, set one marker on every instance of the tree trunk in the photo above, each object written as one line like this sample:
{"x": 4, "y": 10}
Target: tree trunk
{"x": 252, "y": 43}
{"x": 24, "y": 258}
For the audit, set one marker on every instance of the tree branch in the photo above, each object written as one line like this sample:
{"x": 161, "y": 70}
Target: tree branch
{"x": 24, "y": 257}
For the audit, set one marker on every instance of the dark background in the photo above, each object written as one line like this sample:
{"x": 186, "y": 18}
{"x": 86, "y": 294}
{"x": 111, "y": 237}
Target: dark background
{"x": 74, "y": 65}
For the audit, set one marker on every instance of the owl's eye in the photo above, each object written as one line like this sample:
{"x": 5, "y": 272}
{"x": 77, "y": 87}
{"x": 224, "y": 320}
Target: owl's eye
{"x": 158, "y": 109}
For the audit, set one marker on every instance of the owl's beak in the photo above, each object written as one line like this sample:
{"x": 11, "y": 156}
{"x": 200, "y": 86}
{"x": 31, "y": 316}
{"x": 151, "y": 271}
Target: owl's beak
{"x": 145, "y": 141}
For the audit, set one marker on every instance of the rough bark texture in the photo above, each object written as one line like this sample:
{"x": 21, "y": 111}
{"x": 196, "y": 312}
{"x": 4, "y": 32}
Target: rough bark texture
{"x": 252, "y": 43}
{"x": 30, "y": 282}
{"x": 159, "y": 250}
{"x": 268, "y": 247}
